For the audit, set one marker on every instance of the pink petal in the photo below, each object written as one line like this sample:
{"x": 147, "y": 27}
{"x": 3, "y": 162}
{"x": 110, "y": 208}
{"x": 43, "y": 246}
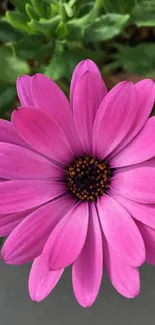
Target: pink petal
{"x": 148, "y": 235}
{"x": 146, "y": 91}
{"x": 142, "y": 212}
{"x": 88, "y": 94}
{"x": 67, "y": 239}
{"x": 29, "y": 237}
{"x": 121, "y": 231}
{"x": 21, "y": 163}
{"x": 42, "y": 133}
{"x": 114, "y": 118}
{"x": 87, "y": 269}
{"x": 148, "y": 163}
{"x": 9, "y": 134}
{"x": 136, "y": 183}
{"x": 41, "y": 280}
{"x": 8, "y": 222}
{"x": 24, "y": 90}
{"x": 16, "y": 196}
{"x": 141, "y": 148}
{"x": 124, "y": 278}
{"x": 51, "y": 99}
{"x": 81, "y": 68}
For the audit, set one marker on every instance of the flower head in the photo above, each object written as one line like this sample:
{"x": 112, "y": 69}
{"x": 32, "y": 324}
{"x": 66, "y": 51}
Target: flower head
{"x": 78, "y": 183}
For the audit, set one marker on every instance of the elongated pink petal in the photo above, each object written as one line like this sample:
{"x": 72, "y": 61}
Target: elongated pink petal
{"x": 142, "y": 212}
{"x": 8, "y": 134}
{"x": 87, "y": 269}
{"x": 29, "y": 237}
{"x": 42, "y": 133}
{"x": 146, "y": 91}
{"x": 88, "y": 94}
{"x": 124, "y": 278}
{"x": 121, "y": 231}
{"x": 41, "y": 280}
{"x": 8, "y": 222}
{"x": 145, "y": 164}
{"x": 114, "y": 118}
{"x": 51, "y": 99}
{"x": 24, "y": 90}
{"x": 16, "y": 196}
{"x": 81, "y": 68}
{"x": 136, "y": 183}
{"x": 20, "y": 163}
{"x": 148, "y": 235}
{"x": 67, "y": 239}
{"x": 141, "y": 148}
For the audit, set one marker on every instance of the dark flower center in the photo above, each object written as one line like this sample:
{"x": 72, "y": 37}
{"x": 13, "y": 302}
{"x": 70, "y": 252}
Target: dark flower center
{"x": 87, "y": 178}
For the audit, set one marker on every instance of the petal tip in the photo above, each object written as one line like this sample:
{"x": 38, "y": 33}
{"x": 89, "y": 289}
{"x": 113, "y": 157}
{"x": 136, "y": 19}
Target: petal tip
{"x": 34, "y": 297}
{"x": 84, "y": 302}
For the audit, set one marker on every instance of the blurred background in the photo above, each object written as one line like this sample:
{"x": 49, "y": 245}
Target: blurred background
{"x": 52, "y": 36}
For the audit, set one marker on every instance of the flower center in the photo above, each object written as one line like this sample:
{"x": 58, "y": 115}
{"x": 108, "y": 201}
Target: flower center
{"x": 87, "y": 178}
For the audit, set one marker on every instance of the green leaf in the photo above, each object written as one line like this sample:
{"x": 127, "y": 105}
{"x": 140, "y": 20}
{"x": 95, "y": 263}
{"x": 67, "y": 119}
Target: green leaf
{"x": 119, "y": 6}
{"x": 31, "y": 12}
{"x": 69, "y": 10}
{"x": 75, "y": 33}
{"x": 20, "y": 4}
{"x": 106, "y": 27}
{"x": 138, "y": 60}
{"x": 62, "y": 30}
{"x": 50, "y": 1}
{"x": 84, "y": 20}
{"x": 11, "y": 67}
{"x": 7, "y": 97}
{"x": 144, "y": 14}
{"x": 44, "y": 26}
{"x": 33, "y": 48}
{"x": 54, "y": 10}
{"x": 41, "y": 8}
{"x": 7, "y": 33}
{"x": 19, "y": 21}
{"x": 58, "y": 67}
{"x": 54, "y": 6}
{"x": 84, "y": 8}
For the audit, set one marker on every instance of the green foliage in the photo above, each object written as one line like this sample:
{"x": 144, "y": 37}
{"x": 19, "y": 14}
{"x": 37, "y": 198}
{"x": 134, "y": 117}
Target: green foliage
{"x": 11, "y": 66}
{"x": 138, "y": 60}
{"x": 120, "y": 6}
{"x": 52, "y": 36}
{"x": 19, "y": 20}
{"x": 63, "y": 62}
{"x": 20, "y": 5}
{"x": 33, "y": 48}
{"x": 7, "y": 98}
{"x": 144, "y": 13}
{"x": 106, "y": 27}
{"x": 7, "y": 33}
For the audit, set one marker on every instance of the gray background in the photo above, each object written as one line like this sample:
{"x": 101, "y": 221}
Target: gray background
{"x": 60, "y": 308}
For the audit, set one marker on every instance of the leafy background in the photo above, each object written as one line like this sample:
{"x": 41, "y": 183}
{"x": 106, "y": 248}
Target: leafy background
{"x": 52, "y": 36}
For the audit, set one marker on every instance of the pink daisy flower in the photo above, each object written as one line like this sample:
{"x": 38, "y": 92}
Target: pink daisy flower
{"x": 78, "y": 183}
